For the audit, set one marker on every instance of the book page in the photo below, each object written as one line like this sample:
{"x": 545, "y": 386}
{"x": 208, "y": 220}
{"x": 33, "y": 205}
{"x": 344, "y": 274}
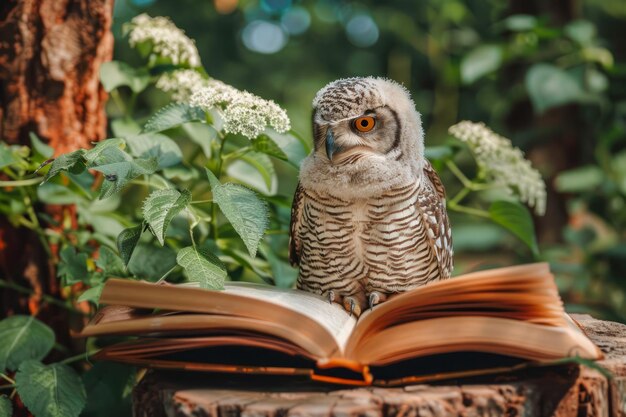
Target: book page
{"x": 307, "y": 314}
{"x": 331, "y": 316}
{"x": 480, "y": 334}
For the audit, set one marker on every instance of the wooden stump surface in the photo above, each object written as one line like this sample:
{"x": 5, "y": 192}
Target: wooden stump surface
{"x": 570, "y": 390}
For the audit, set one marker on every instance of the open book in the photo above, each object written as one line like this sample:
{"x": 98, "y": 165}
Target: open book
{"x": 472, "y": 324}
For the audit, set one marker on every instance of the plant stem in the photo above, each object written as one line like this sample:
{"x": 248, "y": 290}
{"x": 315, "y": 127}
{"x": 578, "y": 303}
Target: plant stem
{"x": 12, "y": 386}
{"x": 147, "y": 183}
{"x": 237, "y": 153}
{"x": 218, "y": 173}
{"x": 469, "y": 210}
{"x": 7, "y": 378}
{"x": 21, "y": 183}
{"x": 460, "y": 196}
{"x": 210, "y": 200}
{"x": 459, "y": 174}
{"x": 276, "y": 232}
{"x": 45, "y": 297}
{"x": 79, "y": 357}
{"x": 166, "y": 274}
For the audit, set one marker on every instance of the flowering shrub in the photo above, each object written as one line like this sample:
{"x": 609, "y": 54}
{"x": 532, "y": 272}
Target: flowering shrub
{"x": 502, "y": 164}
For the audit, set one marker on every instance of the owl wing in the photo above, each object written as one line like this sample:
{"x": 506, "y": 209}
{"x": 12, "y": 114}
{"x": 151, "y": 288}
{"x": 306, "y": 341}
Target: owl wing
{"x": 432, "y": 205}
{"x": 296, "y": 221}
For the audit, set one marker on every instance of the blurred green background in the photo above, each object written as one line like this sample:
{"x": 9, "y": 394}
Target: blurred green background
{"x": 549, "y": 75}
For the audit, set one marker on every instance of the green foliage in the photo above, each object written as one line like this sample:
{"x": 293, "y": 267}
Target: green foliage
{"x": 517, "y": 219}
{"x": 6, "y": 408}
{"x": 127, "y": 240}
{"x": 50, "y": 390}
{"x": 481, "y": 61}
{"x": 107, "y": 385}
{"x": 73, "y": 266}
{"x": 247, "y": 213}
{"x": 115, "y": 74}
{"x": 174, "y": 115}
{"x": 203, "y": 267}
{"x": 550, "y": 86}
{"x": 24, "y": 338}
{"x": 160, "y": 208}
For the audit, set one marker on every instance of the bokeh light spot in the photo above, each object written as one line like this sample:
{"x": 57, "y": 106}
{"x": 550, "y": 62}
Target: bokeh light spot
{"x": 296, "y": 20}
{"x": 362, "y": 30}
{"x": 264, "y": 37}
{"x": 143, "y": 3}
{"x": 275, "y": 6}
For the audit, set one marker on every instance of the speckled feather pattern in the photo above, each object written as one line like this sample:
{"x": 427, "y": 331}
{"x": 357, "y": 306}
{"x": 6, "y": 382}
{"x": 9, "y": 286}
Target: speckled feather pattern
{"x": 371, "y": 221}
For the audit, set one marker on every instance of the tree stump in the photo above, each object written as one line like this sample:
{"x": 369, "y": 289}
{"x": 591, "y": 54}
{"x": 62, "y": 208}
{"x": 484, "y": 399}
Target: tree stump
{"x": 572, "y": 391}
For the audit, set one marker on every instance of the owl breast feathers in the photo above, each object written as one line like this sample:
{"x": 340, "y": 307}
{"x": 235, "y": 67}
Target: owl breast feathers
{"x": 368, "y": 218}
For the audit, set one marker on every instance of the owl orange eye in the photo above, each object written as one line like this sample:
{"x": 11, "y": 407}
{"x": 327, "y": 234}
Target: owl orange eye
{"x": 364, "y": 124}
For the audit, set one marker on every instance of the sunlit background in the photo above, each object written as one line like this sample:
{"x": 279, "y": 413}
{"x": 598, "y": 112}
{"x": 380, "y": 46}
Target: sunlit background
{"x": 549, "y": 75}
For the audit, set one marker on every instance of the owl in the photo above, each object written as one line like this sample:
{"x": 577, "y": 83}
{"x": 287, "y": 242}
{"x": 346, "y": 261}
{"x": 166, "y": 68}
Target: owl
{"x": 369, "y": 213}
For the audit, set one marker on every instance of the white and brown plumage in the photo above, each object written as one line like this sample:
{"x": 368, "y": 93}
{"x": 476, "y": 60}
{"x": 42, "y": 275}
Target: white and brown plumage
{"x": 368, "y": 217}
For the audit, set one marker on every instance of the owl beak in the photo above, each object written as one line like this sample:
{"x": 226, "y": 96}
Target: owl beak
{"x": 331, "y": 148}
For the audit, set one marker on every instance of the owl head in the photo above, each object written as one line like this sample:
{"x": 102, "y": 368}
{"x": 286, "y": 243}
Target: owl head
{"x": 366, "y": 132}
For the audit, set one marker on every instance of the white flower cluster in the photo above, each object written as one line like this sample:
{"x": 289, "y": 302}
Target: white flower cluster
{"x": 504, "y": 164}
{"x": 167, "y": 40}
{"x": 181, "y": 83}
{"x": 243, "y": 112}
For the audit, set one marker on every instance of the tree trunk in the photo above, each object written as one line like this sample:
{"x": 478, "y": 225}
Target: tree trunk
{"x": 50, "y": 55}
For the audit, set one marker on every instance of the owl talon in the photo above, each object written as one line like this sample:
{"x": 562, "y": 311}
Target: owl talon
{"x": 331, "y": 296}
{"x": 376, "y": 298}
{"x": 352, "y": 306}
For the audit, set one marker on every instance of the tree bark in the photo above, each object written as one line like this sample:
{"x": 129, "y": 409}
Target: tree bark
{"x": 50, "y": 55}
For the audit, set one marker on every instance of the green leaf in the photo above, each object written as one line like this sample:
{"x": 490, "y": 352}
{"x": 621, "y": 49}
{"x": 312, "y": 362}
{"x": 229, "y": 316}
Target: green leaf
{"x": 246, "y": 167}
{"x": 107, "y": 385}
{"x": 520, "y": 22}
{"x": 442, "y": 152}
{"x": 124, "y": 127}
{"x": 120, "y": 169}
{"x": 23, "y": 338}
{"x": 151, "y": 262}
{"x": 285, "y": 276}
{"x": 582, "y": 31}
{"x": 181, "y": 172}
{"x": 202, "y": 134}
{"x": 292, "y": 145}
{"x": 580, "y": 179}
{"x": 203, "y": 267}
{"x": 481, "y": 61}
{"x": 247, "y": 213}
{"x": 6, "y": 156}
{"x": 114, "y": 74}
{"x": 73, "y": 162}
{"x": 161, "y": 207}
{"x": 517, "y": 219}
{"x": 266, "y": 145}
{"x": 73, "y": 266}
{"x": 127, "y": 240}
{"x": 92, "y": 294}
{"x": 155, "y": 145}
{"x": 51, "y": 193}
{"x": 104, "y": 152}
{"x": 50, "y": 390}
{"x": 40, "y": 147}
{"x": 6, "y": 407}
{"x": 174, "y": 115}
{"x": 549, "y": 86}
{"x": 110, "y": 263}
